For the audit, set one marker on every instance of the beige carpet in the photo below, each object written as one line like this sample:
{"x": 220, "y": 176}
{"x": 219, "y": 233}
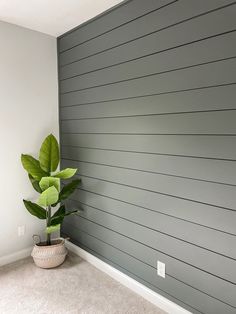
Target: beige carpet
{"x": 74, "y": 287}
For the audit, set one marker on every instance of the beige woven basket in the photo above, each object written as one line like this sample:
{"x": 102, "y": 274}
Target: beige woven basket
{"x": 49, "y": 256}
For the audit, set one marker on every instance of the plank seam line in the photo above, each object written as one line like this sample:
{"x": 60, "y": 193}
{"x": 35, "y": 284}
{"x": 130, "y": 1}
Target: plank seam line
{"x": 151, "y": 114}
{"x": 150, "y": 153}
{"x": 151, "y": 134}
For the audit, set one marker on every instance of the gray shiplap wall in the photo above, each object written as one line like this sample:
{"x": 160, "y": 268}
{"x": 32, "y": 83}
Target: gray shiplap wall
{"x": 148, "y": 115}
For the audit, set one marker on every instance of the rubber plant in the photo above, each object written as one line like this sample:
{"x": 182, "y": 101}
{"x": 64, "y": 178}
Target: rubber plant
{"x": 45, "y": 179}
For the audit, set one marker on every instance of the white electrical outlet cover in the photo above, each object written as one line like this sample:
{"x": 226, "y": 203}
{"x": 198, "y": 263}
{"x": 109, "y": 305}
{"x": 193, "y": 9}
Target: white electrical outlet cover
{"x": 161, "y": 269}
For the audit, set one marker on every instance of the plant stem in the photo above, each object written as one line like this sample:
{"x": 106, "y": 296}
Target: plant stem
{"x": 48, "y": 224}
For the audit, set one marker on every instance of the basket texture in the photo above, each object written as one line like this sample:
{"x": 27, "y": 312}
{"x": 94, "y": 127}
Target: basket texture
{"x": 49, "y": 256}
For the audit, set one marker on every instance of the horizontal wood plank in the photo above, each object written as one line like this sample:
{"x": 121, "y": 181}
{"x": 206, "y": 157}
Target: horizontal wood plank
{"x": 218, "y": 147}
{"x": 213, "y": 98}
{"x": 196, "y": 168}
{"x": 216, "y": 73}
{"x": 202, "y": 214}
{"x": 186, "y": 123}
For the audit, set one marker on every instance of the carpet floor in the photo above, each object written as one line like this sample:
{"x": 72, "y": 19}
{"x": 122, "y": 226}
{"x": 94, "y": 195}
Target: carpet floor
{"x": 74, "y": 287}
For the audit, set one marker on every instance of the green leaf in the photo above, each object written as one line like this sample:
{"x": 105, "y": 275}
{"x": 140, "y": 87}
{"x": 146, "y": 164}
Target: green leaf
{"x": 59, "y": 219}
{"x": 32, "y": 166}
{"x": 60, "y": 211}
{"x": 35, "y": 184}
{"x": 68, "y": 189}
{"x": 60, "y": 214}
{"x": 48, "y": 197}
{"x": 46, "y": 182}
{"x": 52, "y": 229}
{"x": 49, "y": 154}
{"x": 35, "y": 209}
{"x": 66, "y": 173}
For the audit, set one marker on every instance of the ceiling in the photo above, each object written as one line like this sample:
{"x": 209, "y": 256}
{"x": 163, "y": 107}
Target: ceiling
{"x": 53, "y": 17}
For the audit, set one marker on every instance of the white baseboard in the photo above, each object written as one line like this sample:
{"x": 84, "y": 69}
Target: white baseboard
{"x": 4, "y": 260}
{"x": 148, "y": 294}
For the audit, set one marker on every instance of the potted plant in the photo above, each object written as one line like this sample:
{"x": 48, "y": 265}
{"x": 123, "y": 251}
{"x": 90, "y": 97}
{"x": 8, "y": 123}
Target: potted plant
{"x": 45, "y": 179}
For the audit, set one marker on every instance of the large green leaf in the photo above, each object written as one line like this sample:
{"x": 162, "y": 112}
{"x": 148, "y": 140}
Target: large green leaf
{"x": 46, "y": 182}
{"x": 66, "y": 173}
{"x": 68, "y": 189}
{"x": 35, "y": 184}
{"x": 60, "y": 211}
{"x": 53, "y": 228}
{"x": 35, "y": 209}
{"x": 49, "y": 154}
{"x": 32, "y": 166}
{"x": 48, "y": 197}
{"x": 59, "y": 219}
{"x": 60, "y": 214}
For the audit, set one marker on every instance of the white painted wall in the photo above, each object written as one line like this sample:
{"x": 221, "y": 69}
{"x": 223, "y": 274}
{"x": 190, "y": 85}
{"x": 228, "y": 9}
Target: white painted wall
{"x": 28, "y": 112}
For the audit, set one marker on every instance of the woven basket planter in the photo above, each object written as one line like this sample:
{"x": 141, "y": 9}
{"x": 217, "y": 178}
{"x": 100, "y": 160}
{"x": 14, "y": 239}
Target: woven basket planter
{"x": 49, "y": 256}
